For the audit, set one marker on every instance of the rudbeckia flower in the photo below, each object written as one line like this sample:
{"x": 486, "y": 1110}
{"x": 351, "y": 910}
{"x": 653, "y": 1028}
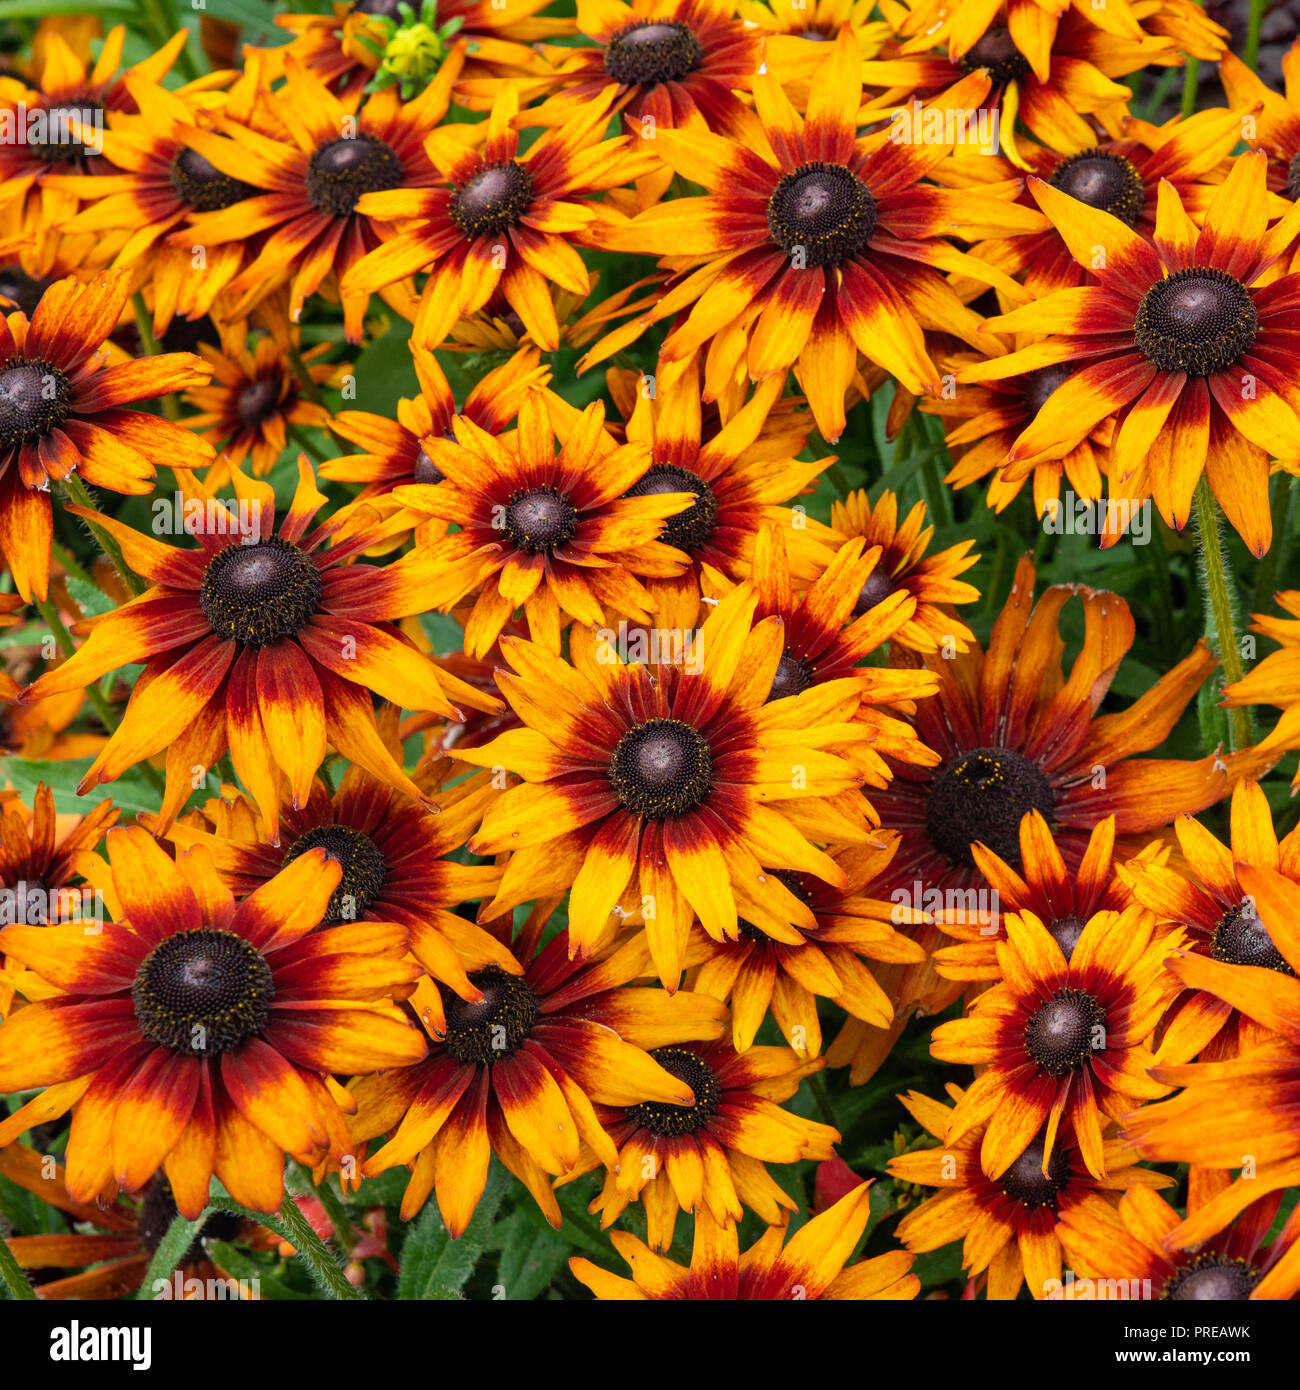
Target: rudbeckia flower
{"x": 1204, "y": 896}
{"x": 112, "y": 1258}
{"x": 663, "y": 788}
{"x": 811, "y": 1265}
{"x": 813, "y": 245}
{"x": 518, "y": 1071}
{"x": 498, "y": 219}
{"x": 1061, "y": 1042}
{"x": 338, "y": 152}
{"x": 1143, "y": 1248}
{"x": 785, "y": 967}
{"x": 269, "y": 646}
{"x": 564, "y": 536}
{"x": 1240, "y": 1105}
{"x": 62, "y": 411}
{"x": 742, "y": 473}
{"x": 196, "y": 1036}
{"x": 1179, "y": 341}
{"x": 1007, "y": 1223}
{"x": 904, "y": 567}
{"x": 252, "y": 398}
{"x": 709, "y": 1155}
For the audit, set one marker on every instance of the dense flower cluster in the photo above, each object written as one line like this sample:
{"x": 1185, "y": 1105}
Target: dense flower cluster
{"x": 506, "y": 720}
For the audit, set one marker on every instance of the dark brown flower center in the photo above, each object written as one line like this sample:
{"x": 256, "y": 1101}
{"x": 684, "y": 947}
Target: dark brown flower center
{"x": 493, "y": 200}
{"x": 66, "y": 143}
{"x": 257, "y": 402}
{"x": 1026, "y": 1182}
{"x": 983, "y": 796}
{"x": 486, "y": 1031}
{"x": 821, "y": 214}
{"x": 661, "y": 768}
{"x": 200, "y": 184}
{"x": 260, "y": 594}
{"x": 202, "y": 992}
{"x": 688, "y": 530}
{"x": 425, "y": 470}
{"x": 1211, "y": 1277}
{"x": 876, "y": 590}
{"x": 35, "y": 398}
{"x": 1040, "y": 386}
{"x": 1197, "y": 321}
{"x": 797, "y": 884}
{"x": 1103, "y": 180}
{"x": 19, "y": 288}
{"x": 1293, "y": 179}
{"x": 643, "y": 54}
{"x": 1065, "y": 1031}
{"x": 997, "y": 54}
{"x": 362, "y": 861}
{"x": 664, "y": 1119}
{"x": 342, "y": 170}
{"x": 158, "y": 1211}
{"x": 1241, "y": 938}
{"x": 539, "y": 520}
{"x": 1066, "y": 931}
{"x": 792, "y": 677}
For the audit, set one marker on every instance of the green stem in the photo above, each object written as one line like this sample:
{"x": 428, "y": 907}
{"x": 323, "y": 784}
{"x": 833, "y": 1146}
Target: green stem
{"x": 1191, "y": 77}
{"x": 12, "y": 1273}
{"x": 72, "y": 566}
{"x": 344, "y": 1231}
{"x": 313, "y": 1249}
{"x": 67, "y": 646}
{"x": 304, "y": 442}
{"x": 305, "y": 380}
{"x": 144, "y": 326}
{"x": 1256, "y": 20}
{"x": 76, "y": 492}
{"x": 1216, "y": 577}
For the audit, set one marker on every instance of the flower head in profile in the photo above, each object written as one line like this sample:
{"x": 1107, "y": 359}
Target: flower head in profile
{"x": 196, "y": 1036}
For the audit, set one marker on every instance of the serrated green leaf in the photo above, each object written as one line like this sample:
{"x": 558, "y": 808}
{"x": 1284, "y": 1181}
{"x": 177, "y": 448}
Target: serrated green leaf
{"x": 435, "y": 1267}
{"x": 531, "y": 1256}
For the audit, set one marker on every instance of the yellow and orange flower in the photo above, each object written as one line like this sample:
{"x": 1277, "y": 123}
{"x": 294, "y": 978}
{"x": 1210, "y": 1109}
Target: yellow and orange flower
{"x": 261, "y": 641}
{"x": 662, "y": 786}
{"x": 813, "y": 245}
{"x": 519, "y": 1070}
{"x": 567, "y": 536}
{"x": 498, "y": 220}
{"x": 63, "y": 412}
{"x": 709, "y": 1155}
{"x": 199, "y": 1036}
{"x": 1276, "y": 680}
{"x": 1062, "y": 1042}
{"x": 1180, "y": 342}
{"x": 1006, "y": 1223}
{"x": 811, "y": 1266}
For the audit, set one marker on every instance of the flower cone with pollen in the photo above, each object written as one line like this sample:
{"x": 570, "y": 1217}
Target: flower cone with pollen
{"x": 1205, "y": 897}
{"x": 1062, "y": 1042}
{"x": 1181, "y": 341}
{"x": 813, "y": 245}
{"x": 1143, "y": 1246}
{"x": 62, "y": 412}
{"x": 562, "y": 535}
{"x": 269, "y": 649}
{"x": 518, "y": 1072}
{"x": 664, "y": 788}
{"x": 1240, "y": 1105}
{"x": 787, "y": 970}
{"x": 195, "y": 1035}
{"x": 811, "y": 1265}
{"x": 1007, "y": 1224}
{"x": 709, "y": 1155}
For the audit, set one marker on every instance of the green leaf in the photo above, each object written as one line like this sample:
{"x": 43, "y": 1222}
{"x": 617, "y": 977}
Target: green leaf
{"x": 38, "y": 9}
{"x": 170, "y": 1252}
{"x": 436, "y": 1267}
{"x": 130, "y": 793}
{"x": 238, "y": 1266}
{"x": 533, "y": 1254}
